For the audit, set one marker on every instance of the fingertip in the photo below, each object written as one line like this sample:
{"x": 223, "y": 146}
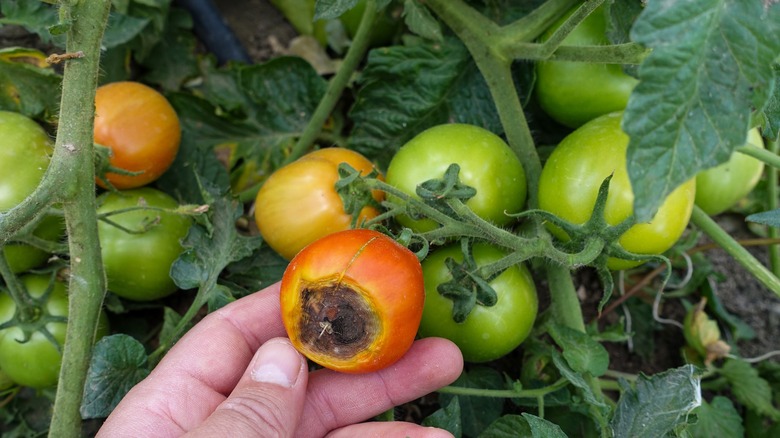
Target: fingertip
{"x": 442, "y": 354}
{"x": 277, "y": 362}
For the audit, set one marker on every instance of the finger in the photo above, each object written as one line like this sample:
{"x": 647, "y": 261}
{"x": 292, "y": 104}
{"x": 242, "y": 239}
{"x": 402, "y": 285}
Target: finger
{"x": 199, "y": 372}
{"x": 377, "y": 429}
{"x": 336, "y": 399}
{"x": 268, "y": 399}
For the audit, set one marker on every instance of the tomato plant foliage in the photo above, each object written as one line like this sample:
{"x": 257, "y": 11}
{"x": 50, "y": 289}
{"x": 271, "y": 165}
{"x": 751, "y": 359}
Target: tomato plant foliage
{"x": 706, "y": 72}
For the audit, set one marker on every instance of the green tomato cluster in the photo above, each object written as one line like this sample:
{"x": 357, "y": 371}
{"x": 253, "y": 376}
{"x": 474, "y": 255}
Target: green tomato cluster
{"x": 488, "y": 165}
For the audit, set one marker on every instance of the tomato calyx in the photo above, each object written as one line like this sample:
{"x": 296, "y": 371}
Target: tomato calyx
{"x": 336, "y": 319}
{"x": 596, "y": 228}
{"x": 355, "y": 192}
{"x": 31, "y": 315}
{"x": 103, "y": 166}
{"x": 437, "y": 192}
{"x": 468, "y": 288}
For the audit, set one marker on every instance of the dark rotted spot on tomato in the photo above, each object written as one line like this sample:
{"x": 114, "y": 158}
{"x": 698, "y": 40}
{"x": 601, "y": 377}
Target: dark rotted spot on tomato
{"x": 336, "y": 320}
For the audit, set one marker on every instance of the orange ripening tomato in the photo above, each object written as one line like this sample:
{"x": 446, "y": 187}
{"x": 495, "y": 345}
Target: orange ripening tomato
{"x": 140, "y": 127}
{"x": 352, "y": 301}
{"x": 298, "y": 203}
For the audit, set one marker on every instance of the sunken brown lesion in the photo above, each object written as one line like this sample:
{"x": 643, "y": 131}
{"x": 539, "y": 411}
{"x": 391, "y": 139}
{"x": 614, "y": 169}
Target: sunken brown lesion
{"x": 336, "y": 320}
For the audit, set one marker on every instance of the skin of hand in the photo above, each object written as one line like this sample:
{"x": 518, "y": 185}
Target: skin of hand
{"x": 236, "y": 374}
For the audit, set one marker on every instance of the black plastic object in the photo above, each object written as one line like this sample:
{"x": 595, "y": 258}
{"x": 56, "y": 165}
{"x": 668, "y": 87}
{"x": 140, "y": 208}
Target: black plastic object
{"x": 213, "y": 31}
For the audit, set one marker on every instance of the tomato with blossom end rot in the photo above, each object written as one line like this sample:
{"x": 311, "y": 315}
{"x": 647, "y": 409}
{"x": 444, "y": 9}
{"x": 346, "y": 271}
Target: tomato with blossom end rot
{"x": 352, "y": 301}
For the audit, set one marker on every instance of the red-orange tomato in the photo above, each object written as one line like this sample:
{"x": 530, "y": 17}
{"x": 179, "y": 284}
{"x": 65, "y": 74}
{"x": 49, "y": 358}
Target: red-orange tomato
{"x": 140, "y": 127}
{"x": 352, "y": 301}
{"x": 298, "y": 203}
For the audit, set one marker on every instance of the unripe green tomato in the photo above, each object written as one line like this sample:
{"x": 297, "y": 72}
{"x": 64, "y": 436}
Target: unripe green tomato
{"x": 489, "y": 332}
{"x": 36, "y": 363}
{"x": 574, "y": 92}
{"x": 300, "y": 14}
{"x": 25, "y": 152}
{"x": 486, "y": 164}
{"x": 385, "y": 24}
{"x": 138, "y": 264}
{"x": 721, "y": 187}
{"x": 570, "y": 181}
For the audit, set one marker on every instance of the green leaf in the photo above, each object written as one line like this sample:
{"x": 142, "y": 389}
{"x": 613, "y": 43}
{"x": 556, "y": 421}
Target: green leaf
{"x": 122, "y": 29}
{"x": 659, "y": 404}
{"x": 256, "y": 110}
{"x": 770, "y": 218}
{"x": 749, "y": 388}
{"x": 35, "y": 16}
{"x": 772, "y": 111}
{"x": 420, "y": 21}
{"x": 711, "y": 64}
{"x": 118, "y": 363}
{"x": 27, "y": 86}
{"x": 330, "y": 9}
{"x": 447, "y": 418}
{"x": 172, "y": 61}
{"x": 718, "y": 419}
{"x": 250, "y": 274}
{"x": 477, "y": 412}
{"x": 582, "y": 353}
{"x": 405, "y": 90}
{"x": 599, "y": 410}
{"x": 620, "y": 17}
{"x": 210, "y": 247}
{"x": 508, "y": 426}
{"x": 541, "y": 428}
{"x": 171, "y": 319}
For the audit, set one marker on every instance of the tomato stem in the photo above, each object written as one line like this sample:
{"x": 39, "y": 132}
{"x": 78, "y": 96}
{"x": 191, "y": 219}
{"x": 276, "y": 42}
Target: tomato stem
{"x": 482, "y": 37}
{"x": 767, "y": 156}
{"x": 772, "y": 196}
{"x": 545, "y": 49}
{"x": 505, "y": 393}
{"x": 740, "y": 254}
{"x": 338, "y": 83}
{"x": 71, "y": 175}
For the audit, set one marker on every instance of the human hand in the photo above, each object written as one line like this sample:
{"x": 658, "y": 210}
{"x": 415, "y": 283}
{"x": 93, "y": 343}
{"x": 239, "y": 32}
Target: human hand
{"x": 235, "y": 374}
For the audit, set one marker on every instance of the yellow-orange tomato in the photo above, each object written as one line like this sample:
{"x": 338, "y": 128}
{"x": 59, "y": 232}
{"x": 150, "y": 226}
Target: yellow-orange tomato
{"x": 352, "y": 301}
{"x": 140, "y": 127}
{"x": 298, "y": 203}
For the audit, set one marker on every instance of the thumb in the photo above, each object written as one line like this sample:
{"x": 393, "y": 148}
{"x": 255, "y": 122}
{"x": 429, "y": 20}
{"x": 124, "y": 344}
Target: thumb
{"x": 269, "y": 398}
